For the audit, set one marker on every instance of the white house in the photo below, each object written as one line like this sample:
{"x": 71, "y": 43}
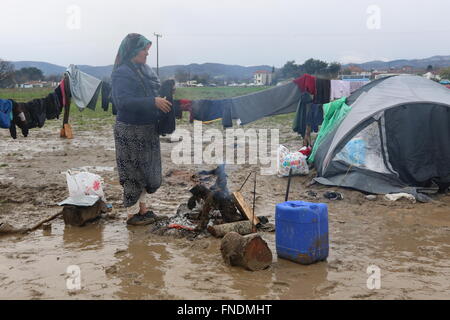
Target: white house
{"x": 262, "y": 78}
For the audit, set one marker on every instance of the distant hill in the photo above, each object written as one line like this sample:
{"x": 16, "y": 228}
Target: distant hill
{"x": 436, "y": 62}
{"x": 47, "y": 68}
{"x": 215, "y": 70}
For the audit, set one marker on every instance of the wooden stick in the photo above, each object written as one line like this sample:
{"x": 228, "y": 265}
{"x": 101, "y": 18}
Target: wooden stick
{"x": 53, "y": 217}
{"x": 254, "y": 200}
{"x": 245, "y": 181}
{"x": 243, "y": 207}
{"x": 11, "y": 230}
{"x": 288, "y": 186}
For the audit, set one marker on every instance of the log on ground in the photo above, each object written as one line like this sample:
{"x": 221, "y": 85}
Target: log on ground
{"x": 241, "y": 227}
{"x": 250, "y": 252}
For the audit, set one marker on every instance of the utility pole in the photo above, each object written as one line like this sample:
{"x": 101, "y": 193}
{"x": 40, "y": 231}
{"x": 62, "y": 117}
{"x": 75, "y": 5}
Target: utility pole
{"x": 157, "y": 51}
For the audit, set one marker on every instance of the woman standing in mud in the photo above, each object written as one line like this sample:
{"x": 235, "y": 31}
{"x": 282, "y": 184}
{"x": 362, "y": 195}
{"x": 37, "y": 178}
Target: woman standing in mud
{"x": 135, "y": 90}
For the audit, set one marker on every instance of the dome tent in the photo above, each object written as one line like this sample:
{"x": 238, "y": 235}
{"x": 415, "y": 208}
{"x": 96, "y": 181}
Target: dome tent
{"x": 395, "y": 138}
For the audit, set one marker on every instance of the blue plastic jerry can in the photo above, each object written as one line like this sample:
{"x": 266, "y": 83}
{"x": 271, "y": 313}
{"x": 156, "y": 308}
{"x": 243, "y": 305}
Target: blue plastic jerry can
{"x": 301, "y": 231}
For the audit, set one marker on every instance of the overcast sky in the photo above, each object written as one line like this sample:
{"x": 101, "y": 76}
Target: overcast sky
{"x": 244, "y": 32}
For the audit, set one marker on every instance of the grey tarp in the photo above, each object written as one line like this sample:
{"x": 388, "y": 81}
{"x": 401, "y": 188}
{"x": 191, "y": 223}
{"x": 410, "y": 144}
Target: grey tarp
{"x": 274, "y": 101}
{"x": 84, "y": 88}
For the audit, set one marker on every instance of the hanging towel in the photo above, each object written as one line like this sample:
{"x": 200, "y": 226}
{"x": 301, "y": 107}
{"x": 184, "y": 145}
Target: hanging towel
{"x": 84, "y": 88}
{"x": 339, "y": 89}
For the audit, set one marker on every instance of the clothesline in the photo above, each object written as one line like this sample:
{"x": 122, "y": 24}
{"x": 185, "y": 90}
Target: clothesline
{"x": 76, "y": 86}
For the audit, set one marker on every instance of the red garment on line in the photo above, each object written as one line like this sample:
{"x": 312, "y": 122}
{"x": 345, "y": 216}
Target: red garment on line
{"x": 186, "y": 105}
{"x": 63, "y": 92}
{"x": 306, "y": 83}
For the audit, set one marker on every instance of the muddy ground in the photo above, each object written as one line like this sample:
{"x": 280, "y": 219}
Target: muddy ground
{"x": 410, "y": 243}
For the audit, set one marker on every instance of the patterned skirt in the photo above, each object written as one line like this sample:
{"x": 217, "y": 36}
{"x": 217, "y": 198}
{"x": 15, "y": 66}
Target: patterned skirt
{"x": 138, "y": 156}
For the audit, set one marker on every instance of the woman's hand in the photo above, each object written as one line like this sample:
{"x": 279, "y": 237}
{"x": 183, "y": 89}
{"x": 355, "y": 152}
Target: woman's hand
{"x": 163, "y": 105}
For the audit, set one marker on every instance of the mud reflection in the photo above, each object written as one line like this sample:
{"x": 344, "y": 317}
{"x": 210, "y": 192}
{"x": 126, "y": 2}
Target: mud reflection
{"x": 139, "y": 268}
{"x": 89, "y": 237}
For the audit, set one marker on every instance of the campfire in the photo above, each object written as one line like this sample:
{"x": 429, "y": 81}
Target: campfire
{"x": 210, "y": 211}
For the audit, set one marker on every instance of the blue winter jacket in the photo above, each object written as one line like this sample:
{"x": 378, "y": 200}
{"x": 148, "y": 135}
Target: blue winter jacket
{"x": 134, "y": 104}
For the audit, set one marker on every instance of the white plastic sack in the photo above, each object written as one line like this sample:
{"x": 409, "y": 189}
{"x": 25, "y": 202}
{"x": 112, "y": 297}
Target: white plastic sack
{"x": 85, "y": 184}
{"x": 295, "y": 160}
{"x": 397, "y": 196}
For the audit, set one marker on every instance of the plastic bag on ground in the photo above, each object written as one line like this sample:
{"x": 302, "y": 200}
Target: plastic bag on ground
{"x": 295, "y": 160}
{"x": 85, "y": 184}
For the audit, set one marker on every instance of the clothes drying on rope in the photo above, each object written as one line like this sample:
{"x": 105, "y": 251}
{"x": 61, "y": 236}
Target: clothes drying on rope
{"x": 339, "y": 89}
{"x": 306, "y": 83}
{"x": 323, "y": 91}
{"x": 84, "y": 88}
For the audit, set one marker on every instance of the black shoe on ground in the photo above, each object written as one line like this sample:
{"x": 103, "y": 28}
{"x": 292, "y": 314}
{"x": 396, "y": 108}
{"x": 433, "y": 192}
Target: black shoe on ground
{"x": 142, "y": 219}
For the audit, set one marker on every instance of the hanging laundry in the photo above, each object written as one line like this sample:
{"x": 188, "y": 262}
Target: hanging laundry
{"x": 84, "y": 88}
{"x": 315, "y": 117}
{"x": 208, "y": 110}
{"x": 227, "y": 116}
{"x": 106, "y": 95}
{"x": 52, "y": 107}
{"x": 19, "y": 118}
{"x": 186, "y": 105}
{"x": 166, "y": 122}
{"x": 299, "y": 124}
{"x": 177, "y": 108}
{"x": 355, "y": 85}
{"x": 323, "y": 91}
{"x": 339, "y": 89}
{"x": 59, "y": 95}
{"x": 333, "y": 112}
{"x": 306, "y": 83}
{"x": 274, "y": 101}
{"x": 62, "y": 91}
{"x": 35, "y": 113}
{"x": 6, "y": 114}
{"x": 107, "y": 98}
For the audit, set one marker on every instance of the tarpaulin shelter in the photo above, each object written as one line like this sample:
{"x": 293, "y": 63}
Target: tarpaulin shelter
{"x": 394, "y": 138}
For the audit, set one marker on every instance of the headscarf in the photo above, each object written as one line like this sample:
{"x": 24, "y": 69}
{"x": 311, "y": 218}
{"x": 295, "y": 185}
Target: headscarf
{"x": 130, "y": 47}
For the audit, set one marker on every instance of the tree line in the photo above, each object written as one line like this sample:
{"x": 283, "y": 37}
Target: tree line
{"x": 311, "y": 66}
{"x": 9, "y": 77}
{"x": 289, "y": 70}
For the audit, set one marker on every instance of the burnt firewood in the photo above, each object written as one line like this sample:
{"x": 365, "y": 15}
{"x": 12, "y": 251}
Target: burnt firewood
{"x": 241, "y": 227}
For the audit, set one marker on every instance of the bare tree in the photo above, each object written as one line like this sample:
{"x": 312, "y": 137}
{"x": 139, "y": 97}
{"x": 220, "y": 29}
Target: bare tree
{"x": 6, "y": 71}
